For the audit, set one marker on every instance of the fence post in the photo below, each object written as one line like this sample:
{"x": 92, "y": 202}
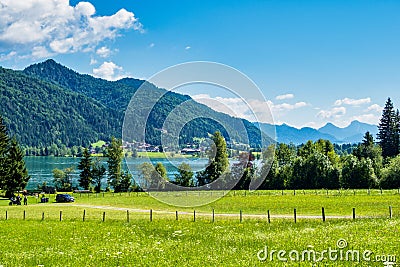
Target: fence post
{"x": 127, "y": 216}
{"x": 241, "y": 216}
{"x": 269, "y": 217}
{"x": 381, "y": 191}
{"x": 213, "y": 215}
{"x": 151, "y": 215}
{"x": 42, "y": 216}
{"x": 6, "y": 215}
{"x": 84, "y": 214}
{"x": 24, "y": 215}
{"x": 282, "y": 192}
{"x": 323, "y": 214}
{"x": 354, "y": 213}
{"x": 294, "y": 192}
{"x": 104, "y": 216}
{"x": 390, "y": 212}
{"x": 369, "y": 191}
{"x": 245, "y": 192}
{"x": 194, "y": 215}
{"x": 60, "y": 215}
{"x": 176, "y": 215}
{"x": 295, "y": 215}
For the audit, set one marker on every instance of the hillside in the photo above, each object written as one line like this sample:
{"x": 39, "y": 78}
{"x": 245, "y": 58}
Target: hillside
{"x": 54, "y": 104}
{"x": 39, "y": 113}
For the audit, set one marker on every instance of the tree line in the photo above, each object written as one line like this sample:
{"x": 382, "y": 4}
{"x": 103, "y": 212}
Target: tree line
{"x": 92, "y": 172}
{"x": 313, "y": 165}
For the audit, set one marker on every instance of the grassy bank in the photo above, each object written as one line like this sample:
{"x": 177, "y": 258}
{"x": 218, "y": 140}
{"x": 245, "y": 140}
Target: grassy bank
{"x": 184, "y": 243}
{"x": 33, "y": 235}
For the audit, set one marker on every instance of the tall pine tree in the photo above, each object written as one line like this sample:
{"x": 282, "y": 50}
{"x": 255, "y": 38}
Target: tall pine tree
{"x": 114, "y": 155}
{"x": 85, "y": 166}
{"x": 4, "y": 145}
{"x": 217, "y": 161}
{"x": 388, "y": 133}
{"x": 17, "y": 176}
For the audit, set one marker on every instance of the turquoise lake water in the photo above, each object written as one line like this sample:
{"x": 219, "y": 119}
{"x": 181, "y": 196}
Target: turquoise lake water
{"x": 40, "y": 168}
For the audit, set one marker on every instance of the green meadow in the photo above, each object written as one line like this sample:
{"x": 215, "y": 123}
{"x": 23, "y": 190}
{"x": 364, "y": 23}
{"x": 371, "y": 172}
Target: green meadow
{"x": 115, "y": 230}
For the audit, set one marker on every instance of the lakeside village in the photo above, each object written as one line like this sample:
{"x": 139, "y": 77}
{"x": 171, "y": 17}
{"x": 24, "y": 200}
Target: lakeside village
{"x": 198, "y": 148}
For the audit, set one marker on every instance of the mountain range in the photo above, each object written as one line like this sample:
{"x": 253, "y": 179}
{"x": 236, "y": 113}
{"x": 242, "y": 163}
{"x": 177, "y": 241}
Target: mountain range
{"x": 48, "y": 103}
{"x": 353, "y": 133}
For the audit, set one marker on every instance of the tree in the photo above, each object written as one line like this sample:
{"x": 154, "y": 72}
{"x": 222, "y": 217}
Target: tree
{"x": 153, "y": 177}
{"x": 159, "y": 176}
{"x": 145, "y": 174}
{"x": 357, "y": 173}
{"x": 63, "y": 179}
{"x": 114, "y": 154}
{"x": 4, "y": 147}
{"x": 391, "y": 174}
{"x": 97, "y": 172}
{"x": 285, "y": 154}
{"x": 243, "y": 171}
{"x": 217, "y": 161}
{"x": 369, "y": 150}
{"x": 185, "y": 175}
{"x": 17, "y": 176}
{"x": 85, "y": 166}
{"x": 387, "y": 134}
{"x": 124, "y": 183}
{"x": 314, "y": 172}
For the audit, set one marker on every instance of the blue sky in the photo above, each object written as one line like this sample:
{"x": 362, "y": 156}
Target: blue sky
{"x": 314, "y": 61}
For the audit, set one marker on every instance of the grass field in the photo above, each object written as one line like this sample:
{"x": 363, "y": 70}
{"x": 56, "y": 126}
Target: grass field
{"x": 165, "y": 241}
{"x": 306, "y": 202}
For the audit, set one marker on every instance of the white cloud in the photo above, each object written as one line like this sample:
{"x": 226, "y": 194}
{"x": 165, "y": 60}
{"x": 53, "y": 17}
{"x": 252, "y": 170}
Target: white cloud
{"x": 4, "y": 57}
{"x": 151, "y": 45}
{"x": 285, "y": 96}
{"x": 109, "y": 71}
{"x": 252, "y": 110}
{"x": 93, "y": 61}
{"x": 45, "y": 27}
{"x": 375, "y": 107}
{"x": 286, "y": 106}
{"x": 187, "y": 47}
{"x": 352, "y": 102}
{"x": 41, "y": 52}
{"x": 103, "y": 52}
{"x": 334, "y": 113}
{"x": 367, "y": 118}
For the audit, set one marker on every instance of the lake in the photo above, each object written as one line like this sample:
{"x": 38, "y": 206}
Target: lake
{"x": 40, "y": 168}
